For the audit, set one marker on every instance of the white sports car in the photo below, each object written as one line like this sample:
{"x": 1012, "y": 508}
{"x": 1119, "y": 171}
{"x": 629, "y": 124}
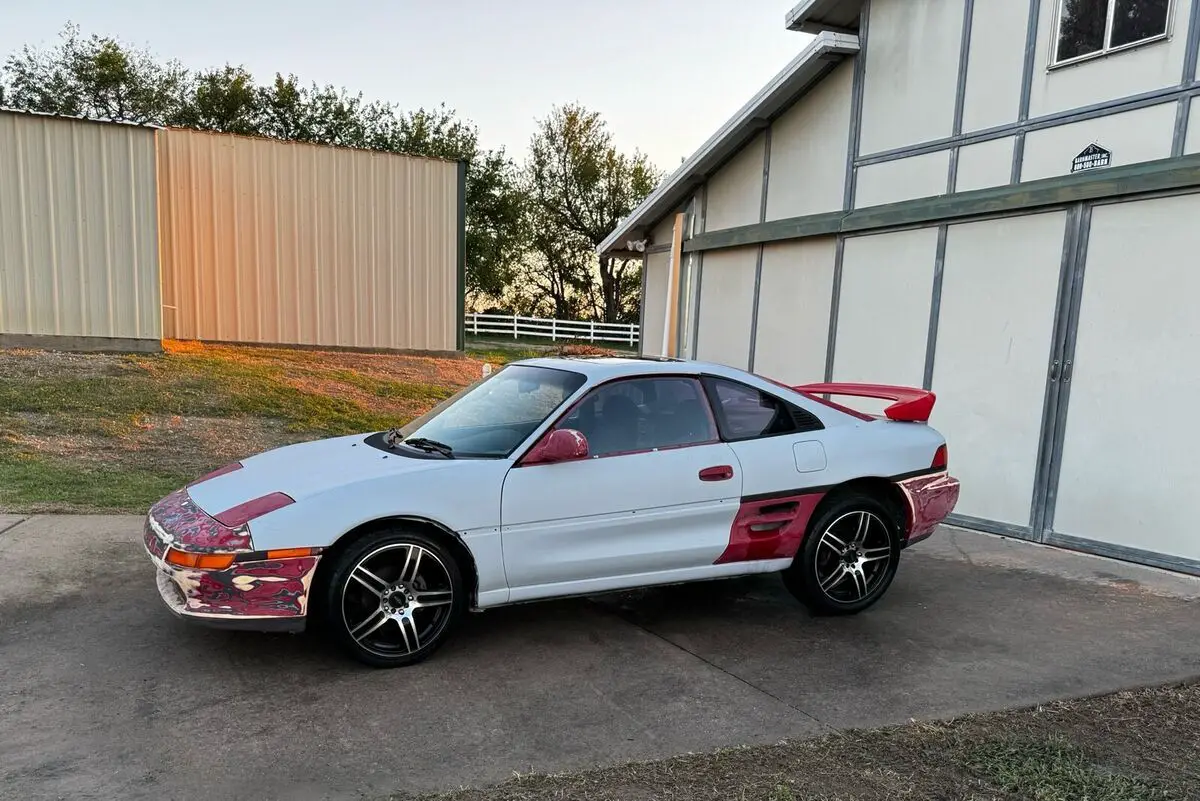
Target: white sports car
{"x": 557, "y": 477}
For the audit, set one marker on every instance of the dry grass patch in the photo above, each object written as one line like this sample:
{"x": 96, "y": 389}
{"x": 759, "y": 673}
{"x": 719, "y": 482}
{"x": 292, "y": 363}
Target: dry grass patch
{"x": 1131, "y": 746}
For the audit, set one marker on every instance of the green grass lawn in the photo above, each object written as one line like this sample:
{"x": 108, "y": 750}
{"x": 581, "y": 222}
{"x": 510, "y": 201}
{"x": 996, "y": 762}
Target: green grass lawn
{"x": 113, "y": 433}
{"x": 1132, "y": 746}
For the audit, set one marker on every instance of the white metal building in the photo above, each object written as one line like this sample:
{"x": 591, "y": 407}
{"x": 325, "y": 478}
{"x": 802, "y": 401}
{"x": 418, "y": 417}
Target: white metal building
{"x": 78, "y": 233}
{"x": 995, "y": 199}
{"x": 115, "y": 235}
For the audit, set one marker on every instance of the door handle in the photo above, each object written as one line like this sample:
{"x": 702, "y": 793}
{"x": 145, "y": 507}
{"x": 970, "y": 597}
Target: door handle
{"x": 719, "y": 473}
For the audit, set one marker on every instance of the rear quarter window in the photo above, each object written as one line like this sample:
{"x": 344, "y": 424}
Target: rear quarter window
{"x": 744, "y": 412}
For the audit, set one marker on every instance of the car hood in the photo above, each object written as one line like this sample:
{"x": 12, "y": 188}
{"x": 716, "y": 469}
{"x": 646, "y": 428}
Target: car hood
{"x": 304, "y": 470}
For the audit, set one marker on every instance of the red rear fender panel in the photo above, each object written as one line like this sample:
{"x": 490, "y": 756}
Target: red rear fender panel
{"x": 931, "y": 499}
{"x": 769, "y": 527}
{"x": 773, "y": 526}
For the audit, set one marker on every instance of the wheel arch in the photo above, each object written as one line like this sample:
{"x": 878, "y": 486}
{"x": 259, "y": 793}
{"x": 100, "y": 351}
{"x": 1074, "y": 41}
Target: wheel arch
{"x": 884, "y": 489}
{"x": 452, "y": 540}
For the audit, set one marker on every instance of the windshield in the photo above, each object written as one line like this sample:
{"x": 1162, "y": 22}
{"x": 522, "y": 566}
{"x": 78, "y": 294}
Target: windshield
{"x": 493, "y": 416}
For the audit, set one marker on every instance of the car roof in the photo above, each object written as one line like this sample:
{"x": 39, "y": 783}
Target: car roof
{"x": 607, "y": 367}
{"x": 598, "y": 369}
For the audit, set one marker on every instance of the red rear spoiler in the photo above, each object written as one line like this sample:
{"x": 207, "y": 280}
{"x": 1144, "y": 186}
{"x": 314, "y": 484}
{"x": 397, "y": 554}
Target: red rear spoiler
{"x": 911, "y": 405}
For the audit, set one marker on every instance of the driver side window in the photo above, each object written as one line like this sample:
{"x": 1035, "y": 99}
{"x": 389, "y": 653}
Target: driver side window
{"x": 644, "y": 414}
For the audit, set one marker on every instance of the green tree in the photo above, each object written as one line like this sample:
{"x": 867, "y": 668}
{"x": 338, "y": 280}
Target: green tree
{"x": 555, "y": 276}
{"x": 497, "y": 223}
{"x": 338, "y": 117}
{"x": 284, "y": 110}
{"x": 580, "y": 185}
{"x": 226, "y": 100}
{"x": 96, "y": 77}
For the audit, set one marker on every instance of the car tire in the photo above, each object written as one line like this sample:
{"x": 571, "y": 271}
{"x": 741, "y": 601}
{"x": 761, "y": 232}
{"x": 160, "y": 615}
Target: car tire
{"x": 843, "y": 568}
{"x": 393, "y": 597}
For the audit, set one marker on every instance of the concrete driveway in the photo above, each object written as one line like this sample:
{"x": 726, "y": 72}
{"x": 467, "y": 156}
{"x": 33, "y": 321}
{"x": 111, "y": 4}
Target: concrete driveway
{"x": 104, "y": 695}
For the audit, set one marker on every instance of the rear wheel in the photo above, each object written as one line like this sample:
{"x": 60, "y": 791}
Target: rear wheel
{"x": 393, "y": 598}
{"x": 849, "y": 556}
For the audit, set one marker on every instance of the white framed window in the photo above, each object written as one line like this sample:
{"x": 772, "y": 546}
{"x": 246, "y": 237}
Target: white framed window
{"x": 1088, "y": 28}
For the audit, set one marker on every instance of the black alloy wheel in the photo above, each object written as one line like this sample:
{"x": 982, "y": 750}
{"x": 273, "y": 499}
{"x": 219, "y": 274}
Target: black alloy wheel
{"x": 849, "y": 556}
{"x": 394, "y": 597}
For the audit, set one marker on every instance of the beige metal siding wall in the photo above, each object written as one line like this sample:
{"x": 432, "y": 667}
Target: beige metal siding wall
{"x": 808, "y": 149}
{"x": 287, "y": 243}
{"x": 658, "y": 268}
{"x": 911, "y": 72}
{"x": 78, "y": 243}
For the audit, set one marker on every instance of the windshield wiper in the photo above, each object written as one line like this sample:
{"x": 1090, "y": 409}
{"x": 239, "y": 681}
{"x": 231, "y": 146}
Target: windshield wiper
{"x": 429, "y": 446}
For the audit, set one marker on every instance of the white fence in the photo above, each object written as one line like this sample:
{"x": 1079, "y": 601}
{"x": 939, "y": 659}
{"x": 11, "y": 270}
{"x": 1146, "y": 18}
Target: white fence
{"x": 554, "y": 330}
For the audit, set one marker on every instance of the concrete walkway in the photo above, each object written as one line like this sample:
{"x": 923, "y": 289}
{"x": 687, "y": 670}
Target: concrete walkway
{"x": 104, "y": 695}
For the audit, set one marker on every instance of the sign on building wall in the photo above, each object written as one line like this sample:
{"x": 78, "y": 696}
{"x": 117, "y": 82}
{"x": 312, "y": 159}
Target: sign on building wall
{"x": 1093, "y": 157}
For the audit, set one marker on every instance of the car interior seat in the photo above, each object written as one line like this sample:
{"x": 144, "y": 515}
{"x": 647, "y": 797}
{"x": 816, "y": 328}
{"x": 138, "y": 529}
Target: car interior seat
{"x": 689, "y": 423}
{"x": 617, "y": 428}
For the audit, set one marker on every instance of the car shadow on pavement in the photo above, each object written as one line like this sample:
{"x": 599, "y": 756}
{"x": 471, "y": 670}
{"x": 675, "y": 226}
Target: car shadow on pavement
{"x": 479, "y": 635}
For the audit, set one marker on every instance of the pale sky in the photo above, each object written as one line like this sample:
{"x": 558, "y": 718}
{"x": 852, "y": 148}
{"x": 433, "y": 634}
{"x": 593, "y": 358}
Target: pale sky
{"x": 663, "y": 73}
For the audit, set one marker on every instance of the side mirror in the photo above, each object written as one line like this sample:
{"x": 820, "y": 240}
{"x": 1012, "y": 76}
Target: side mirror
{"x": 561, "y": 445}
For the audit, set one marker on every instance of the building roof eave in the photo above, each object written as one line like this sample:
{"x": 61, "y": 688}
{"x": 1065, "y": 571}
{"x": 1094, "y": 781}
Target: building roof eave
{"x": 814, "y": 16}
{"x": 801, "y": 73}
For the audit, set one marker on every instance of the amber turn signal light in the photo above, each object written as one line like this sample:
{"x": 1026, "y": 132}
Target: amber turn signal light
{"x": 290, "y": 553}
{"x": 200, "y": 561}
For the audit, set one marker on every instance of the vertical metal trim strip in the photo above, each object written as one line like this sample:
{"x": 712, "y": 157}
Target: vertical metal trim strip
{"x": 1050, "y": 401}
{"x": 960, "y": 91}
{"x": 1064, "y": 393}
{"x": 851, "y": 177}
{"x": 964, "y": 56}
{"x": 461, "y": 323}
{"x": 1192, "y": 54}
{"x": 1031, "y": 33}
{"x": 641, "y": 348}
{"x": 935, "y": 305}
{"x": 758, "y": 261}
{"x": 1018, "y": 158}
{"x": 856, "y": 107}
{"x": 686, "y": 263}
{"x": 766, "y": 174}
{"x": 835, "y": 301}
{"x": 1183, "y": 114}
{"x": 699, "y": 273}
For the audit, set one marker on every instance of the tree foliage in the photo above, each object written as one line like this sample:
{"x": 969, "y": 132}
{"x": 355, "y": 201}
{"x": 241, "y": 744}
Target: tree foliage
{"x": 580, "y": 188}
{"x": 95, "y": 77}
{"x": 531, "y": 233}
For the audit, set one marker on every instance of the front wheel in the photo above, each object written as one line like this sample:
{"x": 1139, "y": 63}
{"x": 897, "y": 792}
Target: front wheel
{"x": 849, "y": 557}
{"x": 394, "y": 597}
